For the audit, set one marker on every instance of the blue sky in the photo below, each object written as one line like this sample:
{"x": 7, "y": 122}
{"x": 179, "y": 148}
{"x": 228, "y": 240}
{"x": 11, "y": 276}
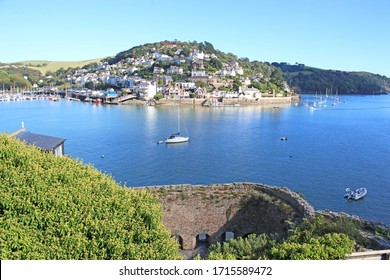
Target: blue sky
{"x": 333, "y": 34}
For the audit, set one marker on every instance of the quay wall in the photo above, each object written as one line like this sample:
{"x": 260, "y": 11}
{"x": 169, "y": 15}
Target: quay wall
{"x": 230, "y": 101}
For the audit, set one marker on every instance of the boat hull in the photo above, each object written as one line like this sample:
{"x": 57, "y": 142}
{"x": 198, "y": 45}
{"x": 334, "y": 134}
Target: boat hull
{"x": 357, "y": 194}
{"x": 177, "y": 139}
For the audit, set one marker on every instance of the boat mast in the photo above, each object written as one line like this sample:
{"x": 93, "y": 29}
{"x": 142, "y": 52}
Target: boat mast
{"x": 178, "y": 120}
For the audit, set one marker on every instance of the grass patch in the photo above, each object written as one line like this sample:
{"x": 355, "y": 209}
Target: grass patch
{"x": 44, "y": 66}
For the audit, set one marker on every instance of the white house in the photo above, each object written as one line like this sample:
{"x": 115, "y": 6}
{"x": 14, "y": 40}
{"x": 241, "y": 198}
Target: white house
{"x": 132, "y": 69}
{"x": 231, "y": 94}
{"x": 240, "y": 71}
{"x": 186, "y": 85}
{"x": 198, "y": 73}
{"x": 195, "y": 55}
{"x": 175, "y": 70}
{"x": 250, "y": 93}
{"x": 164, "y": 57}
{"x": 247, "y": 81}
{"x": 158, "y": 70}
{"x": 147, "y": 90}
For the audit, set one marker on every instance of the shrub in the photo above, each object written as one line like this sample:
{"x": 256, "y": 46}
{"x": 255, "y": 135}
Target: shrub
{"x": 58, "y": 208}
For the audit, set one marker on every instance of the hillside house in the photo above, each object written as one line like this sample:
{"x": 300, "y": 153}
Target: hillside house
{"x": 175, "y": 70}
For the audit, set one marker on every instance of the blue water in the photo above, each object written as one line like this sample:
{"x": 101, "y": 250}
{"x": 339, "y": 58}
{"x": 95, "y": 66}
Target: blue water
{"x": 327, "y": 150}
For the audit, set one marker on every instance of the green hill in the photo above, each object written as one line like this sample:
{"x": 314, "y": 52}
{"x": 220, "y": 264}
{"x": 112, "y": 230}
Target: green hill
{"x": 44, "y": 66}
{"x": 305, "y": 79}
{"x": 264, "y": 76}
{"x": 58, "y": 208}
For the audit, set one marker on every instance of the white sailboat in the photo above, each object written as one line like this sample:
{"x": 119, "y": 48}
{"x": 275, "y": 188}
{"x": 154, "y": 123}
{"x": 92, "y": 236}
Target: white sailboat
{"x": 176, "y": 137}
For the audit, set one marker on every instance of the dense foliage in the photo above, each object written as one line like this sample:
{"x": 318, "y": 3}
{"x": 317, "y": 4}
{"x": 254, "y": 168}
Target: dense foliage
{"x": 15, "y": 77}
{"x": 306, "y": 79}
{"x": 59, "y": 208}
{"x": 314, "y": 239}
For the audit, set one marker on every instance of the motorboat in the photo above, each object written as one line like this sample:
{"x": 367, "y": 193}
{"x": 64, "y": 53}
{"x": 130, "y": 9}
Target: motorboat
{"x": 355, "y": 194}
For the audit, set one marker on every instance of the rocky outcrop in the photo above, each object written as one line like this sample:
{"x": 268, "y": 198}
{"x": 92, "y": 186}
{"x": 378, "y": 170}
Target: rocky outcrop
{"x": 370, "y": 230}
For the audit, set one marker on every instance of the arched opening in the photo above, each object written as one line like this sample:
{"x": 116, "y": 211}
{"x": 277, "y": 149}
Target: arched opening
{"x": 226, "y": 236}
{"x": 179, "y": 239}
{"x": 247, "y": 234}
{"x": 202, "y": 239}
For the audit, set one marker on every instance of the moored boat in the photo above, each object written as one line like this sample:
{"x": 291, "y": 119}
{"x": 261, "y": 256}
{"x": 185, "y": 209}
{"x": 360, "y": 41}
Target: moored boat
{"x": 355, "y": 194}
{"x": 176, "y": 137}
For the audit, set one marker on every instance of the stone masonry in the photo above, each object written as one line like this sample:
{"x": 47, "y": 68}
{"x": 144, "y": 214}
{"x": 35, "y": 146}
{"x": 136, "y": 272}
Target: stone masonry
{"x": 219, "y": 210}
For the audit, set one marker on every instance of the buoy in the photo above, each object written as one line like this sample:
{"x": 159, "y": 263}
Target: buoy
{"x": 102, "y": 156}
{"x": 160, "y": 142}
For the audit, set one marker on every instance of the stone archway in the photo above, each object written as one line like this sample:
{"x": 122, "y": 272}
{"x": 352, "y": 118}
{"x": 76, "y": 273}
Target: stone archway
{"x": 227, "y": 235}
{"x": 179, "y": 239}
{"x": 202, "y": 239}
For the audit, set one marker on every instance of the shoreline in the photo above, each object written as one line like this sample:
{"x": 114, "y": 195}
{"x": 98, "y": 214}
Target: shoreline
{"x": 234, "y": 102}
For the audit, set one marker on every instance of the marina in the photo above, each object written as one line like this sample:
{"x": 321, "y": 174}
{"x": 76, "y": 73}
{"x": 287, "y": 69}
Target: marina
{"x": 326, "y": 150}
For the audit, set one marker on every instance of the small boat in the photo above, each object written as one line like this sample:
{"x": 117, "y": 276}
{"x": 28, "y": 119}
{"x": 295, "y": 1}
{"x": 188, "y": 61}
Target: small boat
{"x": 355, "y": 194}
{"x": 176, "y": 138}
{"x": 160, "y": 141}
{"x": 283, "y": 138}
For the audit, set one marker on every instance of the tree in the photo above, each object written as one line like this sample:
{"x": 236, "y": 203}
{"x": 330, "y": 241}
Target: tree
{"x": 201, "y": 84}
{"x": 236, "y": 84}
{"x": 89, "y": 85}
{"x": 277, "y": 78}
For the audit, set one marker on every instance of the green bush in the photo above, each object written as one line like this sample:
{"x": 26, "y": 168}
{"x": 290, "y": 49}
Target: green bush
{"x": 158, "y": 96}
{"x": 252, "y": 247}
{"x": 331, "y": 246}
{"x": 58, "y": 208}
{"x": 315, "y": 239}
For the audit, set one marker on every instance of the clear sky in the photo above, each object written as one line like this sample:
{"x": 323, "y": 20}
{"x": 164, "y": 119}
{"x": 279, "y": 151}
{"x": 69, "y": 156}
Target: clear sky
{"x": 351, "y": 35}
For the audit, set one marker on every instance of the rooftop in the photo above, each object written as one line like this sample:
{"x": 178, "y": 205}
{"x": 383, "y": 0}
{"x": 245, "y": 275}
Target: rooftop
{"x": 44, "y": 142}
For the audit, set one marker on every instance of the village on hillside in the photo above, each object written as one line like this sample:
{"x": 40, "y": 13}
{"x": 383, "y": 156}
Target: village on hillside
{"x": 166, "y": 74}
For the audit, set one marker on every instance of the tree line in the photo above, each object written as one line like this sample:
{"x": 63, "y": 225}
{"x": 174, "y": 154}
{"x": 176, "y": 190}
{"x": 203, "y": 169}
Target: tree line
{"x": 306, "y": 79}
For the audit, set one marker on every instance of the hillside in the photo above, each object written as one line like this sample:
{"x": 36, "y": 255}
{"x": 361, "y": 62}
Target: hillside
{"x": 14, "y": 76}
{"x": 305, "y": 79}
{"x": 224, "y": 71}
{"x": 200, "y": 56}
{"x": 44, "y": 66}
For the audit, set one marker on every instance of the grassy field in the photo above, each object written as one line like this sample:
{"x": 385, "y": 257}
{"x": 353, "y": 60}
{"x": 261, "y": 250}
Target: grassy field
{"x": 44, "y": 66}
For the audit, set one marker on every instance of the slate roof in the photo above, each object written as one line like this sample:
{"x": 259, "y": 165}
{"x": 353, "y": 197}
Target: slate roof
{"x": 44, "y": 142}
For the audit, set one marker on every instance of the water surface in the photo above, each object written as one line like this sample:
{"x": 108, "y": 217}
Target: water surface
{"x": 347, "y": 145}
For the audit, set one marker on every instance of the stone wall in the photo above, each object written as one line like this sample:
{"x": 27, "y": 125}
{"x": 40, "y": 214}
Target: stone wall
{"x": 221, "y": 209}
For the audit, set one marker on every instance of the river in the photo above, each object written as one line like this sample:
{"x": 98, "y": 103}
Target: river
{"x": 326, "y": 151}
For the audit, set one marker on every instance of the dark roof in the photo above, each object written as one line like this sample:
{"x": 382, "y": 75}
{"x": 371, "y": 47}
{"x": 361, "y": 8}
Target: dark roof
{"x": 44, "y": 142}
